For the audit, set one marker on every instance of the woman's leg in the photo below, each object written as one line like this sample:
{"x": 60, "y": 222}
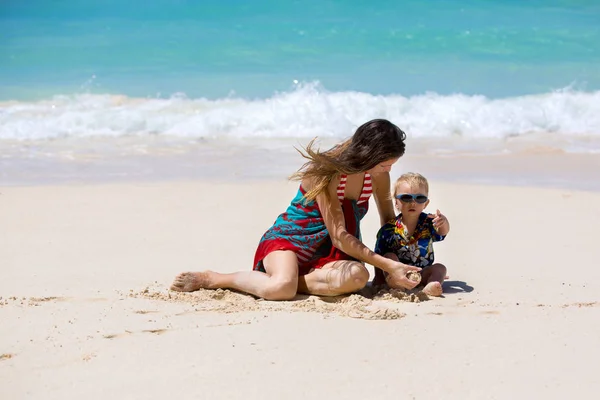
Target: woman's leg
{"x": 280, "y": 282}
{"x": 334, "y": 278}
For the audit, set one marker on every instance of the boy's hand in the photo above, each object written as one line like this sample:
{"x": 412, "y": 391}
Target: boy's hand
{"x": 440, "y": 222}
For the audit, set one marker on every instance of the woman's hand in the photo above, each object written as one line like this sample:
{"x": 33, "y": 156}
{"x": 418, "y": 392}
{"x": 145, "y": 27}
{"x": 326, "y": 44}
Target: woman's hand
{"x": 397, "y": 276}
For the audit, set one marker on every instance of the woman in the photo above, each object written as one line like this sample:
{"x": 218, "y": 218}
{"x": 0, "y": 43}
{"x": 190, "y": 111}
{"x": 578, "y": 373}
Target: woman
{"x": 315, "y": 246}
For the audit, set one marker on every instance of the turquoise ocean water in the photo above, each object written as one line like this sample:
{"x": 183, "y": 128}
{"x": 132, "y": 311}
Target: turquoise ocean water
{"x": 454, "y": 72}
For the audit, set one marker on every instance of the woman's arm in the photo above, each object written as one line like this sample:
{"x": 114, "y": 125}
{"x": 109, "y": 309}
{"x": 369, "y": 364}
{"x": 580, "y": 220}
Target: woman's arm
{"x": 333, "y": 217}
{"x": 383, "y": 197}
{"x": 385, "y": 206}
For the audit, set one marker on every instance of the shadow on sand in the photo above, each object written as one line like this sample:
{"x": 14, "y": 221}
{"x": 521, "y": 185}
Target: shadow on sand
{"x": 456, "y": 287}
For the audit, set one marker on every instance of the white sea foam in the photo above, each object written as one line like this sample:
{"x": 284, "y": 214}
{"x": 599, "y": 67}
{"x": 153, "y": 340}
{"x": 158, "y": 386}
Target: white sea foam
{"x": 305, "y": 112}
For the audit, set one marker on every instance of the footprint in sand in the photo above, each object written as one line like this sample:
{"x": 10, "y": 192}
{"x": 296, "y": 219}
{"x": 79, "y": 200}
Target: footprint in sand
{"x": 155, "y": 331}
{"x": 49, "y": 298}
{"x": 579, "y": 305}
{"x": 95, "y": 299}
{"x": 117, "y": 335}
{"x": 127, "y": 333}
{"x": 248, "y": 322}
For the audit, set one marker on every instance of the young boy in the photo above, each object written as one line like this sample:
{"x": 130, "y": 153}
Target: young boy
{"x": 409, "y": 238}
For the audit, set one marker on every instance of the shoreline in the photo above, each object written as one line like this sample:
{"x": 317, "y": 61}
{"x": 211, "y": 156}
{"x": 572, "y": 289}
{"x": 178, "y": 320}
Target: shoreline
{"x": 231, "y": 165}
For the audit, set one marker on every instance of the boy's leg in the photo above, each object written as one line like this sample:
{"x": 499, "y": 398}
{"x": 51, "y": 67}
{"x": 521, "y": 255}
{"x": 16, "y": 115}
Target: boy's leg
{"x": 280, "y": 282}
{"x": 379, "y": 278}
{"x": 381, "y": 275}
{"x": 433, "y": 276}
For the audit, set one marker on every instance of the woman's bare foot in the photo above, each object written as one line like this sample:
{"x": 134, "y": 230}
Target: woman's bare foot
{"x": 191, "y": 281}
{"x": 433, "y": 289}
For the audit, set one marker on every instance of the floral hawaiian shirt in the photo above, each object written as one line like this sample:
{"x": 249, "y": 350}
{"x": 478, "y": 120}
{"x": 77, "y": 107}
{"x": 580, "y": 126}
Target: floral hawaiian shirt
{"x": 414, "y": 250}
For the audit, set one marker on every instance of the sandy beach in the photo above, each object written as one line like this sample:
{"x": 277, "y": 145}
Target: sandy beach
{"x": 85, "y": 310}
{"x": 140, "y": 140}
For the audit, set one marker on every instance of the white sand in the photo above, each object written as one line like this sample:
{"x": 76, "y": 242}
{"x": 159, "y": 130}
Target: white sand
{"x": 85, "y": 312}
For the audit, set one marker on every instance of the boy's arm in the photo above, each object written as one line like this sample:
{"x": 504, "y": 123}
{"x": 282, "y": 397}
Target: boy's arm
{"x": 441, "y": 223}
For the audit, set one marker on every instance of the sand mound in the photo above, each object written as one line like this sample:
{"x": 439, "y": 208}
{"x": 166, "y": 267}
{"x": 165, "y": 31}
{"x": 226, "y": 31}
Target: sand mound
{"x": 365, "y": 305}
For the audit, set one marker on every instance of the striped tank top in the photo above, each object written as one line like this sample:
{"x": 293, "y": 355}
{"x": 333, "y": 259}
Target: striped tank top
{"x": 367, "y": 188}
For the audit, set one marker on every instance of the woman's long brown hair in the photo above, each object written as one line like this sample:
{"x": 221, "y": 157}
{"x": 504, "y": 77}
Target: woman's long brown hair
{"x": 373, "y": 143}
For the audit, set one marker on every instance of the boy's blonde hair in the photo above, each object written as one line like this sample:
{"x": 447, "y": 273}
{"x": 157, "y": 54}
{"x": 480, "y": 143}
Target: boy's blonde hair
{"x": 413, "y": 180}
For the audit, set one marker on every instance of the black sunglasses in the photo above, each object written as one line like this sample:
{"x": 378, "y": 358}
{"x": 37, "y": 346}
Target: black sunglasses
{"x": 407, "y": 198}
